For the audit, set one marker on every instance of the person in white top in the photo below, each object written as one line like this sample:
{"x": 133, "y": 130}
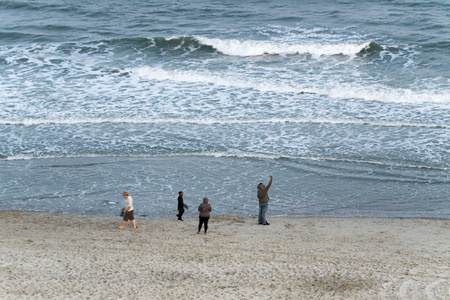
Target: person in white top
{"x": 129, "y": 211}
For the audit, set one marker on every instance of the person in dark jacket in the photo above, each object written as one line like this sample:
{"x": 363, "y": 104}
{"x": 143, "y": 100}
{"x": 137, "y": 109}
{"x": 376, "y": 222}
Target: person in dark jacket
{"x": 181, "y": 205}
{"x": 204, "y": 209}
{"x": 263, "y": 197}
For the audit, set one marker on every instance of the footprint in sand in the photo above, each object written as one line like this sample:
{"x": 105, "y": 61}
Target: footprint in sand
{"x": 289, "y": 226}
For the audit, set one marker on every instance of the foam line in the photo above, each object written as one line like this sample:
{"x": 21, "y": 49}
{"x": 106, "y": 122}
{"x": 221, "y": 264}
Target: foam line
{"x": 331, "y": 89}
{"x": 213, "y": 121}
{"x": 234, "y": 155}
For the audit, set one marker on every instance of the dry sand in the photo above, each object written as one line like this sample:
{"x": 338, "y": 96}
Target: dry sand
{"x": 56, "y": 256}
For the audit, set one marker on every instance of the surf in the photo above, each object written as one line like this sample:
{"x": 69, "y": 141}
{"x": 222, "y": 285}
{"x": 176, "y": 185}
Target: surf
{"x": 236, "y": 47}
{"x": 215, "y": 121}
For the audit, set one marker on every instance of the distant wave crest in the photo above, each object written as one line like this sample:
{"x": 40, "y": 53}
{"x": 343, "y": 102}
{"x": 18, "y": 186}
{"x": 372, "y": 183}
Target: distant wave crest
{"x": 234, "y": 47}
{"x": 186, "y": 44}
{"x": 254, "y": 48}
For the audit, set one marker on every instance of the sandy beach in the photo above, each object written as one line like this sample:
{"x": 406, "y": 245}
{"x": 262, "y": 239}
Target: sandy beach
{"x": 58, "y": 256}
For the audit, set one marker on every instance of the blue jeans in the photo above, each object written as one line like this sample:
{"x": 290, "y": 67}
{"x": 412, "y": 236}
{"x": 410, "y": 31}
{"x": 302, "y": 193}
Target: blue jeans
{"x": 262, "y": 212}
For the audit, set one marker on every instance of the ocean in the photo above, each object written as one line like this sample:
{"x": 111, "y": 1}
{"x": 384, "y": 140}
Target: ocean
{"x": 345, "y": 103}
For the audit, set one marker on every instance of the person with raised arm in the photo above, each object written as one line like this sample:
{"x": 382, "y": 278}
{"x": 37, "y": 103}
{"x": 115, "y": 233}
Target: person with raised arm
{"x": 263, "y": 197}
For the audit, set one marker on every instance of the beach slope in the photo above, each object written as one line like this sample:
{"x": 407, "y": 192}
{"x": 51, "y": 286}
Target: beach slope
{"x": 57, "y": 256}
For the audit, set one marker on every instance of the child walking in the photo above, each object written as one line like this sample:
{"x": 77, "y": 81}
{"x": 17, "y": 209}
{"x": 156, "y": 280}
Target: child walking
{"x": 129, "y": 211}
{"x": 204, "y": 209}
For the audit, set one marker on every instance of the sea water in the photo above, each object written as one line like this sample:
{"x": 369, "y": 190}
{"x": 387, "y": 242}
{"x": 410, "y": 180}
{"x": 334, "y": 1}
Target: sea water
{"x": 345, "y": 103}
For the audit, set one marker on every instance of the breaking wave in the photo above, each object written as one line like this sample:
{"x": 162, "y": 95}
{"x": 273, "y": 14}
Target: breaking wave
{"x": 232, "y": 47}
{"x": 255, "y": 48}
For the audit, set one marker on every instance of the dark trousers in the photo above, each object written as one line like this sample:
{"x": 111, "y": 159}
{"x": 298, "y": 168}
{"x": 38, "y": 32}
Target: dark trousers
{"x": 180, "y": 213}
{"x": 203, "y": 220}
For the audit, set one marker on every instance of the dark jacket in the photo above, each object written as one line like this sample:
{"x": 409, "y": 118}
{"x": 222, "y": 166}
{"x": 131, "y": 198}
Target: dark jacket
{"x": 204, "y": 208}
{"x": 180, "y": 203}
{"x": 263, "y": 194}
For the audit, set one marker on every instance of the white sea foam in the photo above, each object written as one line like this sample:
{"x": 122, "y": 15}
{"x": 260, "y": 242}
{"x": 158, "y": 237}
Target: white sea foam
{"x": 255, "y": 48}
{"x": 382, "y": 93}
{"x": 152, "y": 73}
{"x": 199, "y": 154}
{"x": 240, "y": 155}
{"x": 214, "y": 121}
{"x": 332, "y": 88}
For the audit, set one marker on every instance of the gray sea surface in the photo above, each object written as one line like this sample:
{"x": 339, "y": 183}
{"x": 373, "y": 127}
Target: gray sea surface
{"x": 345, "y": 103}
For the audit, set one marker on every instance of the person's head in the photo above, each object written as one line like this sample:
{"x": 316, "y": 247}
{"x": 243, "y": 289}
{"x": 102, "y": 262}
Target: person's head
{"x": 261, "y": 186}
{"x": 181, "y": 193}
{"x": 126, "y": 195}
{"x": 205, "y": 200}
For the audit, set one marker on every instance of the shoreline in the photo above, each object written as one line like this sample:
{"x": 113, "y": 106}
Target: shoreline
{"x": 221, "y": 216}
{"x": 60, "y": 256}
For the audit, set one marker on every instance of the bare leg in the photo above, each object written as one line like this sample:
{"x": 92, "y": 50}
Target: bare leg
{"x": 134, "y": 224}
{"x": 123, "y": 224}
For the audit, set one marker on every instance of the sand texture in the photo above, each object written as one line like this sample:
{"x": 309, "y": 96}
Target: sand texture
{"x": 56, "y": 256}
